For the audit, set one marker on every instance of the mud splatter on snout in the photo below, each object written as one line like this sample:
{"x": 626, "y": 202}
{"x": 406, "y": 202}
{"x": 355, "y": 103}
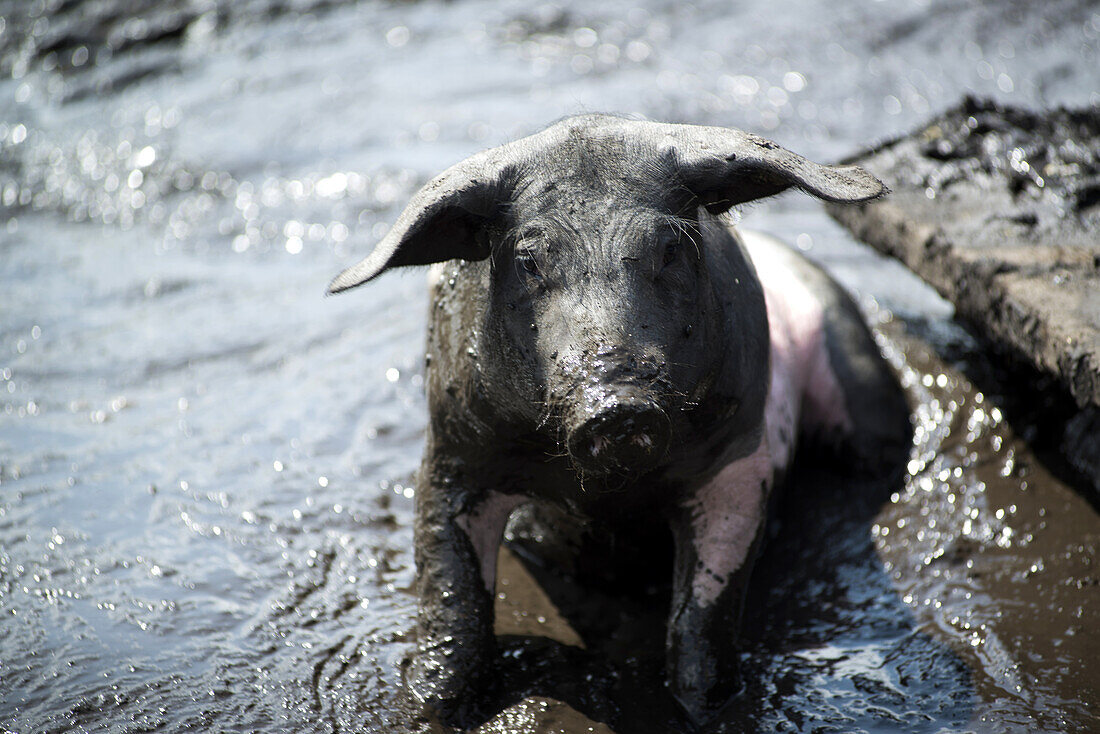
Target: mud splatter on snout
{"x": 613, "y": 413}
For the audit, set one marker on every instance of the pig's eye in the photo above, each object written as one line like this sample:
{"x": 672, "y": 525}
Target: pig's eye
{"x": 672, "y": 251}
{"x": 527, "y": 266}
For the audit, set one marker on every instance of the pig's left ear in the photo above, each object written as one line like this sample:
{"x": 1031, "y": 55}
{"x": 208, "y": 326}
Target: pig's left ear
{"x": 442, "y": 221}
{"x": 725, "y": 167}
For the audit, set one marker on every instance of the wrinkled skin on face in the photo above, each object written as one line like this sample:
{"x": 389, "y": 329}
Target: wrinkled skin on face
{"x": 601, "y": 341}
{"x": 603, "y": 315}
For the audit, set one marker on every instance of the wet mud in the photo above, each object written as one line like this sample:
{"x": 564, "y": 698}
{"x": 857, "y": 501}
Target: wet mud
{"x": 206, "y": 466}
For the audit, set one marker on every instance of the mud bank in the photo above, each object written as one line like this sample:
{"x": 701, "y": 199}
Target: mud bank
{"x": 999, "y": 209}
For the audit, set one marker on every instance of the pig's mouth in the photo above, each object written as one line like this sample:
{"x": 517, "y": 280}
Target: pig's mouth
{"x": 623, "y": 437}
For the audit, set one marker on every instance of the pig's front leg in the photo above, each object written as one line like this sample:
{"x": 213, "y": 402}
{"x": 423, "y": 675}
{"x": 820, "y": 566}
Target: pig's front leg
{"x": 717, "y": 533}
{"x": 457, "y": 536}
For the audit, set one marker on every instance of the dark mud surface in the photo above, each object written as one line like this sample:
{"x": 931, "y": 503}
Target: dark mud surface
{"x": 999, "y": 208}
{"x": 205, "y": 466}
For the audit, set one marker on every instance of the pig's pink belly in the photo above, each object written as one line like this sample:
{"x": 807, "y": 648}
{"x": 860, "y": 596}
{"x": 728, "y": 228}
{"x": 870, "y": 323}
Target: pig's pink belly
{"x": 805, "y": 392}
{"x": 728, "y": 512}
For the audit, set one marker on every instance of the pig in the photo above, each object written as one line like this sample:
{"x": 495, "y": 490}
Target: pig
{"x": 603, "y": 340}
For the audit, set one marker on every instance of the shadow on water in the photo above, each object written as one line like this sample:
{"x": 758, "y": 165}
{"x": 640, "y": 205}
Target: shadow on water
{"x": 828, "y": 643}
{"x": 1035, "y": 404}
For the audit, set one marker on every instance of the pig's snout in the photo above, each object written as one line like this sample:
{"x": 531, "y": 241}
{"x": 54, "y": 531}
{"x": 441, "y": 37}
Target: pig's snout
{"x": 629, "y": 436}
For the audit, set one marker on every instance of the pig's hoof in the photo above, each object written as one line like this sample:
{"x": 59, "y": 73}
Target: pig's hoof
{"x": 451, "y": 694}
{"x": 703, "y": 705}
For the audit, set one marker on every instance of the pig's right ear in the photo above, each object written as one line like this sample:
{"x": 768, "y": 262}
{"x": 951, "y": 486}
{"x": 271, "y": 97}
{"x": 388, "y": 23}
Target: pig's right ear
{"x": 441, "y": 222}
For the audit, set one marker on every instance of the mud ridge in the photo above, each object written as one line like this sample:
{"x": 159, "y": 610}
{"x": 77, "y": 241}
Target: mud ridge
{"x": 997, "y": 208}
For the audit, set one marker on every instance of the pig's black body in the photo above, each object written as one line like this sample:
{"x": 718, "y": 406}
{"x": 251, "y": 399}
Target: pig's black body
{"x": 600, "y": 341}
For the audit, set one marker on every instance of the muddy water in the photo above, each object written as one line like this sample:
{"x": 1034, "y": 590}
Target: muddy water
{"x": 205, "y": 466}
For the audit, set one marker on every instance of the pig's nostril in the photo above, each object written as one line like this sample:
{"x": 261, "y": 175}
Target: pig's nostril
{"x": 626, "y": 438}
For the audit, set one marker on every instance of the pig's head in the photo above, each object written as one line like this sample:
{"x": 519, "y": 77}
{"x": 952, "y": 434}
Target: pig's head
{"x": 607, "y": 313}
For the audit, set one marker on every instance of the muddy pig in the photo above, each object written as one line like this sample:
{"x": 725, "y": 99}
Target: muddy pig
{"x": 602, "y": 339}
